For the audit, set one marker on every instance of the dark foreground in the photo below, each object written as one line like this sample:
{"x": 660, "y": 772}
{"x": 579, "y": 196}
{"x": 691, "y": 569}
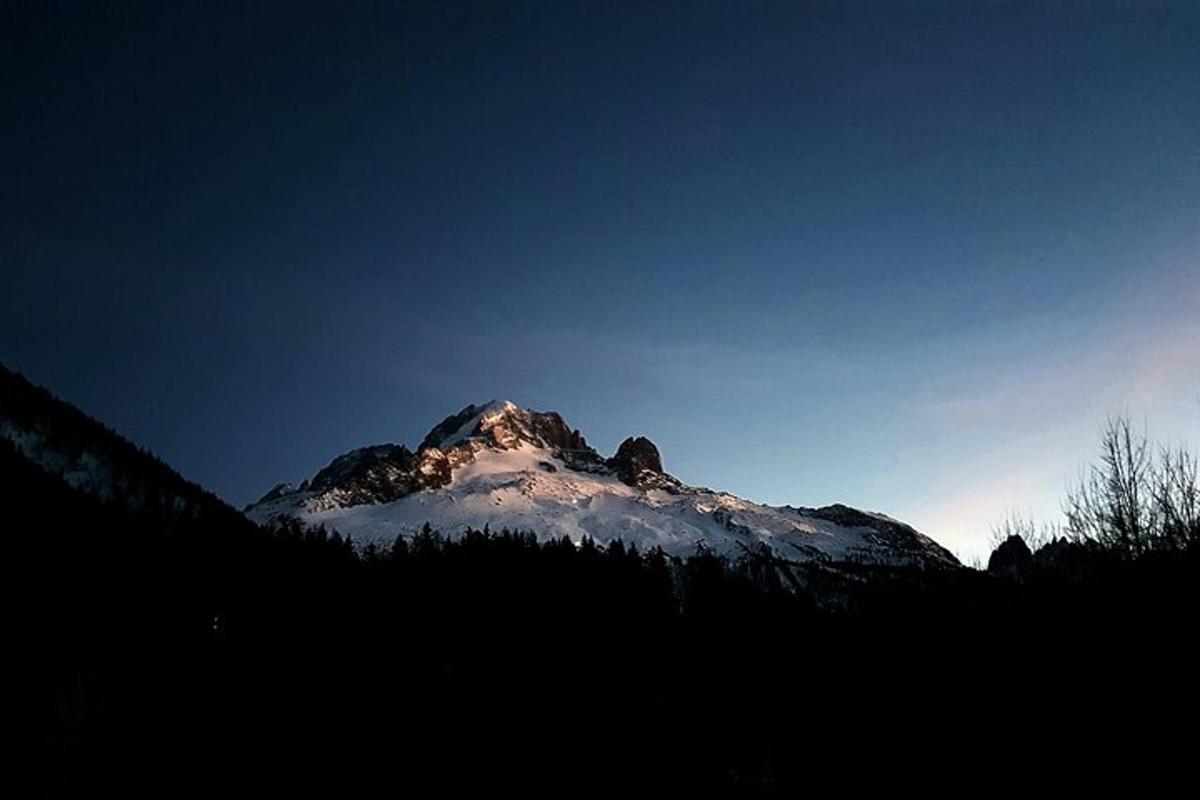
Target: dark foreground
{"x": 196, "y": 655}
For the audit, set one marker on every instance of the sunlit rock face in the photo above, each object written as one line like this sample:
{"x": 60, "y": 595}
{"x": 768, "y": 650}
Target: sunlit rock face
{"x": 505, "y": 425}
{"x": 504, "y": 466}
{"x": 383, "y": 473}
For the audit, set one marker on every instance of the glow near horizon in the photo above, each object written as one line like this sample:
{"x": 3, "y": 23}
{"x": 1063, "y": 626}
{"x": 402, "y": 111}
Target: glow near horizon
{"x": 903, "y": 256}
{"x": 1007, "y": 424}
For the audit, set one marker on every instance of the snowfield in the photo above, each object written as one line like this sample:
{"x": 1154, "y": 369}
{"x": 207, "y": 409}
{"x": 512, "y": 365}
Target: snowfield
{"x": 504, "y": 480}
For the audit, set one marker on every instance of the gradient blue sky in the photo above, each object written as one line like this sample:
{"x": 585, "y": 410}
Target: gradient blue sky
{"x": 902, "y": 256}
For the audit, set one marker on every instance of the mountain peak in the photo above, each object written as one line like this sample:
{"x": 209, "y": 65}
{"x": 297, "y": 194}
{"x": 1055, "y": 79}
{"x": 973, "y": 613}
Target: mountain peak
{"x": 503, "y": 465}
{"x": 505, "y": 425}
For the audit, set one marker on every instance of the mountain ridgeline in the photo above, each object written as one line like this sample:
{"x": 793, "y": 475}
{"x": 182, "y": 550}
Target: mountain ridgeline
{"x": 498, "y": 465}
{"x": 170, "y": 645}
{"x": 92, "y": 458}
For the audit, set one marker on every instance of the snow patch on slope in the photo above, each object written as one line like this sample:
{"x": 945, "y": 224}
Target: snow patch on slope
{"x": 82, "y": 470}
{"x": 531, "y": 489}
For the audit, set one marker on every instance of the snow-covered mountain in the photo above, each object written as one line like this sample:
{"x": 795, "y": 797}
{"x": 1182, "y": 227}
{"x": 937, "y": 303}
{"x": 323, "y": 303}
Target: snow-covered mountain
{"x": 505, "y": 466}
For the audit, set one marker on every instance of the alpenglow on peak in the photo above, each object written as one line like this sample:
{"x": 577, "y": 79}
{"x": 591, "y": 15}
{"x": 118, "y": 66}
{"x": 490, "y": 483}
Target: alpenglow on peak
{"x": 500, "y": 465}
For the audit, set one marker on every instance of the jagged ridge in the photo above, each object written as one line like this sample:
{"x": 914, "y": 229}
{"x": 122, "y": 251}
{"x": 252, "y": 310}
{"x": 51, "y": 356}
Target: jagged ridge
{"x": 502, "y": 465}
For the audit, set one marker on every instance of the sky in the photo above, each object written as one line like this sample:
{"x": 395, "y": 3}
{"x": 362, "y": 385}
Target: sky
{"x": 908, "y": 257}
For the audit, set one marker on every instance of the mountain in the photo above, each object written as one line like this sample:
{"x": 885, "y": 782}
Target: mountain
{"x": 495, "y": 464}
{"x": 91, "y": 458}
{"x": 166, "y": 640}
{"x": 504, "y": 466}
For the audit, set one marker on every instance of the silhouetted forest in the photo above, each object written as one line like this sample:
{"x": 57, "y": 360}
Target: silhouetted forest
{"x": 166, "y": 646}
{"x": 198, "y": 654}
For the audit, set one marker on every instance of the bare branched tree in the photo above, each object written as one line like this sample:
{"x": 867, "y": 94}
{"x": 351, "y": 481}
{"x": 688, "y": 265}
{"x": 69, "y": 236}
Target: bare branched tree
{"x": 1135, "y": 500}
{"x": 1175, "y": 494}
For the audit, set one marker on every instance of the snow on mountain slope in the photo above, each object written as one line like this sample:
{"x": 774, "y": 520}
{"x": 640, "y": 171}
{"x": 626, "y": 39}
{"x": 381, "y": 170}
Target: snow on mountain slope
{"x": 65, "y": 442}
{"x": 507, "y": 467}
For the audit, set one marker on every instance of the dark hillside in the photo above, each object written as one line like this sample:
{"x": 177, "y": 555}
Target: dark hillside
{"x": 195, "y": 653}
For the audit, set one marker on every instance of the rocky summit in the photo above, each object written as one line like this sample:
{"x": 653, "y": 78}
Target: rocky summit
{"x": 501, "y": 465}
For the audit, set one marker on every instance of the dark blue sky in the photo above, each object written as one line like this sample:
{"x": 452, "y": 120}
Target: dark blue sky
{"x": 901, "y": 256}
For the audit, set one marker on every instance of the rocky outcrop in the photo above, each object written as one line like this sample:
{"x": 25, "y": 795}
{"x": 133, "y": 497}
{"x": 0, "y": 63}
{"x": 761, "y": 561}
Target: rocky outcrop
{"x": 634, "y": 457}
{"x": 358, "y": 465}
{"x": 377, "y": 474}
{"x": 1012, "y": 559}
{"x": 387, "y": 472}
{"x": 586, "y": 460}
{"x": 449, "y": 427}
{"x": 896, "y": 535}
{"x": 1073, "y": 561}
{"x": 505, "y": 425}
